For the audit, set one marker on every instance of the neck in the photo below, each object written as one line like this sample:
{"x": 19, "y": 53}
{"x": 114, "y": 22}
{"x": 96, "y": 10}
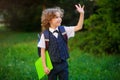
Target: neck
{"x": 53, "y": 27}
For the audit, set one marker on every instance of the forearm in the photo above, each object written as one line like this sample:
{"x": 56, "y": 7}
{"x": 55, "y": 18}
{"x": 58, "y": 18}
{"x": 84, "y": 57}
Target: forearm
{"x": 43, "y": 57}
{"x": 80, "y": 22}
{"x": 46, "y": 70}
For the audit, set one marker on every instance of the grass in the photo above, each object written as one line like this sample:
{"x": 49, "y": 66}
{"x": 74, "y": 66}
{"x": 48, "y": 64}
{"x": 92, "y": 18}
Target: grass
{"x": 18, "y": 53}
{"x": 84, "y": 66}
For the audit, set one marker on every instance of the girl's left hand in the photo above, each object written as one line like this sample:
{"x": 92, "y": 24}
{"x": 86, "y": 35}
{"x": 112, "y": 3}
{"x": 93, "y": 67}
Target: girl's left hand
{"x": 79, "y": 8}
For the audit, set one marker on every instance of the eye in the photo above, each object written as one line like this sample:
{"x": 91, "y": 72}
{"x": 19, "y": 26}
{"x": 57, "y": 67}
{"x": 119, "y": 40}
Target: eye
{"x": 58, "y": 16}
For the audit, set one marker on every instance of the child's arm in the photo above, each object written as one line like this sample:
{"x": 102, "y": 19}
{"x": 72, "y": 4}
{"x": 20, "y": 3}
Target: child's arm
{"x": 46, "y": 70}
{"x": 81, "y": 18}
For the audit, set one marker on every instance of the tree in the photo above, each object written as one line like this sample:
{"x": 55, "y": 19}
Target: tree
{"x": 25, "y": 15}
{"x": 103, "y": 28}
{"x": 22, "y": 15}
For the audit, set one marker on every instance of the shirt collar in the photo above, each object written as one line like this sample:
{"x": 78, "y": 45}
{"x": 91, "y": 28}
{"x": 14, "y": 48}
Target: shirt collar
{"x": 52, "y": 30}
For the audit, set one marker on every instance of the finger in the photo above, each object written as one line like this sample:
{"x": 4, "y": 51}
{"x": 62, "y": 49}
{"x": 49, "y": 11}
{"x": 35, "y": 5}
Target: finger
{"x": 48, "y": 71}
{"x": 79, "y": 5}
{"x": 83, "y": 6}
{"x": 76, "y": 6}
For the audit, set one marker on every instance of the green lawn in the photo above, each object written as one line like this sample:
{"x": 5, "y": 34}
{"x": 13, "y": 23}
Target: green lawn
{"x": 18, "y": 53}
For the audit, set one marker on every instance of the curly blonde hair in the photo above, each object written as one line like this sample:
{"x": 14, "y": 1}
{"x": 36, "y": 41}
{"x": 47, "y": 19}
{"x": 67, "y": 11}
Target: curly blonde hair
{"x": 49, "y": 14}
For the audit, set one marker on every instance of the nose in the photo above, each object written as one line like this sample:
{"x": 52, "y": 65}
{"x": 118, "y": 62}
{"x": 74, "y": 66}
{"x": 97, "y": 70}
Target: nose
{"x": 60, "y": 19}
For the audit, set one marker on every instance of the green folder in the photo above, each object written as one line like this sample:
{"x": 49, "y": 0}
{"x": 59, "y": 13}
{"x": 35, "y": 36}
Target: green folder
{"x": 39, "y": 66}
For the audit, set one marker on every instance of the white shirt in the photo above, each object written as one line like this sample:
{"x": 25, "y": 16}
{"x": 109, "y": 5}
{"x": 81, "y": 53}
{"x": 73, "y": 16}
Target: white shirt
{"x": 70, "y": 33}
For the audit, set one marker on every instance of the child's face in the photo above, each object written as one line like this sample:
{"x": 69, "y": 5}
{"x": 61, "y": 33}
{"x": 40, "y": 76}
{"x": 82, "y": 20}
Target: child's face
{"x": 56, "y": 21}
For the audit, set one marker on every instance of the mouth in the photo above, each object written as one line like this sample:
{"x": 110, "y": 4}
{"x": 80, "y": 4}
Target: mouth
{"x": 59, "y": 22}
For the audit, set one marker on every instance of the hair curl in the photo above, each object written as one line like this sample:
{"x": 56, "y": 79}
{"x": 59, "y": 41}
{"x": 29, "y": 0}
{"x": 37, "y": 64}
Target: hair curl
{"x": 49, "y": 14}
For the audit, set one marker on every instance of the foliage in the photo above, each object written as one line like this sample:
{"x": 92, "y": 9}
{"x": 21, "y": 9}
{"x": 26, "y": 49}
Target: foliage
{"x": 103, "y": 28}
{"x": 25, "y": 15}
{"x": 22, "y": 15}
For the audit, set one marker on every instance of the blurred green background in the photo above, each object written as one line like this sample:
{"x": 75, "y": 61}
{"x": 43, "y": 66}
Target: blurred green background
{"x": 94, "y": 51}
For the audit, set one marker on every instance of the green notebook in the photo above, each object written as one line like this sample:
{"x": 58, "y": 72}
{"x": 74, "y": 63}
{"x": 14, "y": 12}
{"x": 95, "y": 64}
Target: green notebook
{"x": 39, "y": 66}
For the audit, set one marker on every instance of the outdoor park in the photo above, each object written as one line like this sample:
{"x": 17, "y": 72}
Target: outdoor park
{"x": 94, "y": 51}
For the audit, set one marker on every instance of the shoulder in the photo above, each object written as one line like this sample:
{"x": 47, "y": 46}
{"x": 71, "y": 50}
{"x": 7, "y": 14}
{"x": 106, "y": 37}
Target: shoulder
{"x": 66, "y": 27}
{"x": 61, "y": 28}
{"x": 69, "y": 28}
{"x": 45, "y": 33}
{"x": 70, "y": 31}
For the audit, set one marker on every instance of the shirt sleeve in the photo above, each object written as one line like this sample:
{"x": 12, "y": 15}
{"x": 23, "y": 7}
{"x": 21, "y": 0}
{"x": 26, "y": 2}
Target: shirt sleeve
{"x": 70, "y": 31}
{"x": 41, "y": 43}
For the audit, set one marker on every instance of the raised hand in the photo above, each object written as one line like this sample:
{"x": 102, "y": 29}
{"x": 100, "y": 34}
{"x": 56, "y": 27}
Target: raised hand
{"x": 79, "y": 8}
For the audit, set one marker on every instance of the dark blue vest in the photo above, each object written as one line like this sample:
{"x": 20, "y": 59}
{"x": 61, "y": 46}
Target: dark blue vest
{"x": 57, "y": 49}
